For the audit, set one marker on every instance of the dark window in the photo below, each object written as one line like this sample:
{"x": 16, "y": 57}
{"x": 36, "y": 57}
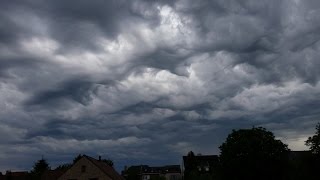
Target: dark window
{"x": 83, "y": 168}
{"x": 93, "y": 178}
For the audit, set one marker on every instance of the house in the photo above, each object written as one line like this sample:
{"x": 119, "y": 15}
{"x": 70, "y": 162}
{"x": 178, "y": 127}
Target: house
{"x": 52, "y": 174}
{"x": 201, "y": 163}
{"x": 144, "y": 172}
{"x": 88, "y": 168}
{"x": 204, "y": 166}
{"x": 170, "y": 172}
{"x": 19, "y": 175}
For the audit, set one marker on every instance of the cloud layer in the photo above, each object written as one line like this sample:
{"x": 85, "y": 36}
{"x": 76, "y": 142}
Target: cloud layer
{"x": 147, "y": 81}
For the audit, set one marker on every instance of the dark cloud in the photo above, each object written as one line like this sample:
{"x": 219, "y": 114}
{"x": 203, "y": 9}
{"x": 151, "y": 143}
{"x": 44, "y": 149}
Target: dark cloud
{"x": 147, "y": 81}
{"x": 77, "y": 90}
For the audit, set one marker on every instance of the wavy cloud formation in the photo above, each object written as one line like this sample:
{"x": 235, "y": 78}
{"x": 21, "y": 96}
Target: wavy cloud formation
{"x": 147, "y": 81}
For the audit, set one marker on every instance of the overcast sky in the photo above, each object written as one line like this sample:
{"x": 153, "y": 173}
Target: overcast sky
{"x": 146, "y": 81}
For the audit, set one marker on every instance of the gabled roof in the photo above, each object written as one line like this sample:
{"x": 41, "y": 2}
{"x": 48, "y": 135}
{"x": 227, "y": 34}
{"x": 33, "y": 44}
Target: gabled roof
{"x": 104, "y": 167}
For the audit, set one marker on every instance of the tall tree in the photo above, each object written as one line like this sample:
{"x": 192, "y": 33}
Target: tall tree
{"x": 314, "y": 141}
{"x": 39, "y": 168}
{"x": 253, "y": 154}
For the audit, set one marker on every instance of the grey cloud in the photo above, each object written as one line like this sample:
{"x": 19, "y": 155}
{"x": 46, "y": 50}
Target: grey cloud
{"x": 76, "y": 89}
{"x": 139, "y": 79}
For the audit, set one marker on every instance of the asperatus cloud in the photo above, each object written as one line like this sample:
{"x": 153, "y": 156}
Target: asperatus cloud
{"x": 145, "y": 82}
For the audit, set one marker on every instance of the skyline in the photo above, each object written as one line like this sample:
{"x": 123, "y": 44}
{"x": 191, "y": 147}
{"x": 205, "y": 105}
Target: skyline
{"x": 145, "y": 82}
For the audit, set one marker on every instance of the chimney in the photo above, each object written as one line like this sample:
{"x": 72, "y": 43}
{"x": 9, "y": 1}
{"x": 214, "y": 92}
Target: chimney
{"x": 99, "y": 158}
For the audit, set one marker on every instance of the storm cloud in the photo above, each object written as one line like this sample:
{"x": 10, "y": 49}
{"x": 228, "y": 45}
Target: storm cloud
{"x": 147, "y": 81}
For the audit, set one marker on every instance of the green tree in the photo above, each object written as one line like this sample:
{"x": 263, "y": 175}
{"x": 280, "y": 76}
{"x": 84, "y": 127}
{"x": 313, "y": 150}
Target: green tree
{"x": 39, "y": 168}
{"x": 253, "y": 154}
{"x": 133, "y": 172}
{"x": 314, "y": 141}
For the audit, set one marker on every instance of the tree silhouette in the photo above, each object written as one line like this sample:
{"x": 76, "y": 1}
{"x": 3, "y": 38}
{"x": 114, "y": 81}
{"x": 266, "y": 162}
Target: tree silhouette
{"x": 253, "y": 154}
{"x": 39, "y": 168}
{"x": 77, "y": 158}
{"x": 314, "y": 141}
{"x": 108, "y": 161}
{"x": 191, "y": 166}
{"x": 66, "y": 166}
{"x": 63, "y": 167}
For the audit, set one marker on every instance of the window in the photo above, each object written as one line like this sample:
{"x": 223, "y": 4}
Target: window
{"x": 207, "y": 168}
{"x": 93, "y": 178}
{"x": 83, "y": 168}
{"x": 199, "y": 168}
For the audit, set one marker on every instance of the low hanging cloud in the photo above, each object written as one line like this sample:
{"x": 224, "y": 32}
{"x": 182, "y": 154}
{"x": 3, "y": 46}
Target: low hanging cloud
{"x": 148, "y": 81}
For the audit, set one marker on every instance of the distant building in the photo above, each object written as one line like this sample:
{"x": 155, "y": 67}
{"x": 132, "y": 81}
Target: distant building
{"x": 170, "y": 172}
{"x": 52, "y": 174}
{"x": 88, "y": 168}
{"x": 205, "y": 166}
{"x": 144, "y": 172}
{"x": 20, "y": 175}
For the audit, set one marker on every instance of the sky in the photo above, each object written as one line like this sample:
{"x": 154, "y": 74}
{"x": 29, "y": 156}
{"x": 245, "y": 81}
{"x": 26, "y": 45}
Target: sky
{"x": 146, "y": 81}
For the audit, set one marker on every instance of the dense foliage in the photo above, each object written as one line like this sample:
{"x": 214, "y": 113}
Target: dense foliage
{"x": 314, "y": 141}
{"x": 253, "y": 154}
{"x": 39, "y": 168}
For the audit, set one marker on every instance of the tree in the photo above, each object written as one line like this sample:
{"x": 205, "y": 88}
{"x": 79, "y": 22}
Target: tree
{"x": 191, "y": 170}
{"x": 66, "y": 166}
{"x": 39, "y": 168}
{"x": 314, "y": 141}
{"x": 108, "y": 161}
{"x": 133, "y": 172}
{"x": 63, "y": 167}
{"x": 253, "y": 154}
{"x": 77, "y": 158}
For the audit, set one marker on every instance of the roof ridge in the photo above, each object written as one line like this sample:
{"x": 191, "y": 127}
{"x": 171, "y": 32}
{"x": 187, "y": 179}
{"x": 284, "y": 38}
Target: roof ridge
{"x": 99, "y": 163}
{"x": 91, "y": 159}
